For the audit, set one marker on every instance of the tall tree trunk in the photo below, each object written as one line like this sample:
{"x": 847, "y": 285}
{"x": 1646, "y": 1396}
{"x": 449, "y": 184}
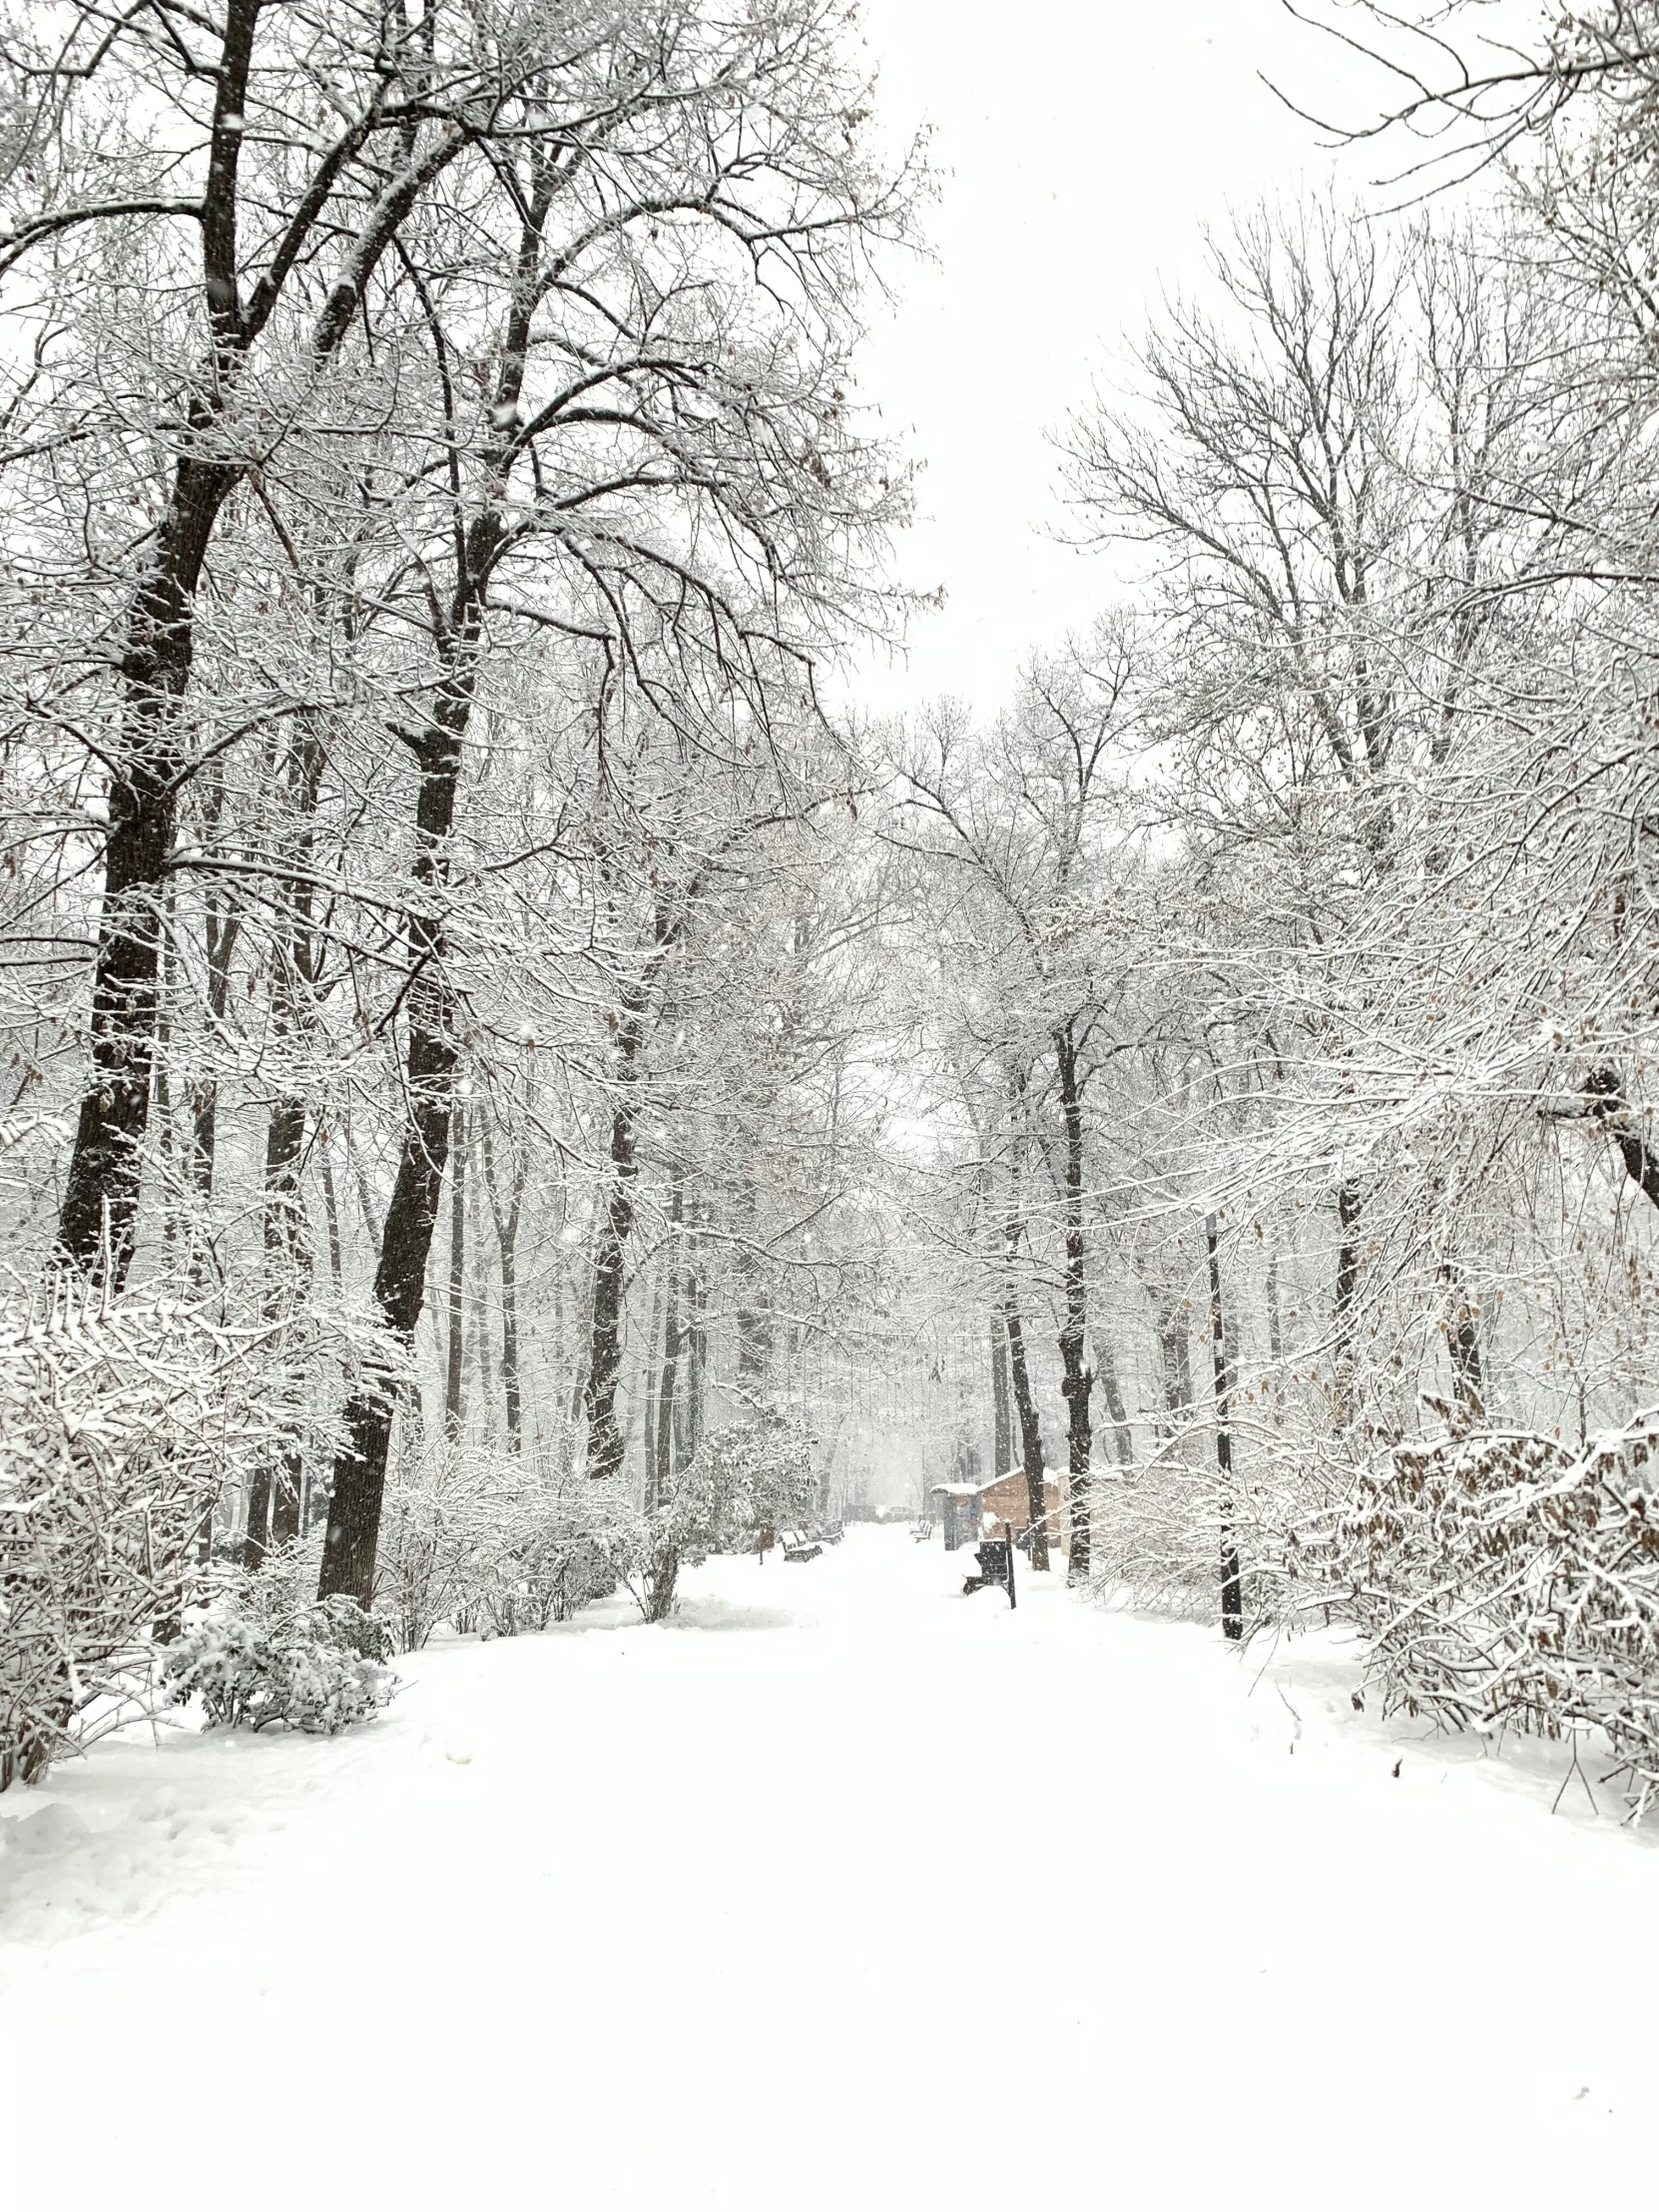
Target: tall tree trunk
{"x": 606, "y": 1445}
{"x": 1174, "y": 1358}
{"x": 1002, "y": 1431}
{"x": 753, "y": 1318}
{"x": 651, "y": 1380}
{"x": 506, "y": 1218}
{"x": 430, "y": 1055}
{"x": 662, "y": 1472}
{"x": 222, "y": 928}
{"x": 1232, "y": 1579}
{"x": 696, "y": 1340}
{"x": 1123, "y": 1435}
{"x": 1025, "y": 1406}
{"x": 610, "y": 1277}
{"x": 286, "y": 1240}
{"x": 454, "y": 1366}
{"x": 98, "y": 1219}
{"x": 1077, "y": 1379}
{"x": 330, "y": 1213}
{"x": 274, "y": 1496}
{"x": 1276, "y": 1324}
{"x": 1347, "y": 1284}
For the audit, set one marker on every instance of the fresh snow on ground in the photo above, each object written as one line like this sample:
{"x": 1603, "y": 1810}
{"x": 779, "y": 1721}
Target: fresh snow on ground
{"x": 839, "y": 1889}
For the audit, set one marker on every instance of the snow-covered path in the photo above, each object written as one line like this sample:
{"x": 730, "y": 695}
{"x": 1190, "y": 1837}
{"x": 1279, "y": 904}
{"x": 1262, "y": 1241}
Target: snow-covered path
{"x": 838, "y": 1889}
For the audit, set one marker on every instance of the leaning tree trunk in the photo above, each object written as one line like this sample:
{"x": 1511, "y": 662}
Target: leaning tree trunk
{"x": 1232, "y": 1579}
{"x": 1077, "y": 1379}
{"x": 98, "y": 1219}
{"x": 411, "y": 1217}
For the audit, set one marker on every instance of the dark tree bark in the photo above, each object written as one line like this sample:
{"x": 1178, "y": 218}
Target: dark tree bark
{"x": 274, "y": 1496}
{"x": 1347, "y": 1285}
{"x": 97, "y": 1222}
{"x": 1077, "y": 1379}
{"x": 98, "y": 1219}
{"x": 430, "y": 1055}
{"x": 288, "y": 1251}
{"x": 1025, "y": 1406}
{"x": 1606, "y": 1104}
{"x": 1002, "y": 1431}
{"x": 610, "y": 1277}
{"x": 331, "y": 1214}
{"x": 1231, "y": 1577}
{"x": 223, "y": 927}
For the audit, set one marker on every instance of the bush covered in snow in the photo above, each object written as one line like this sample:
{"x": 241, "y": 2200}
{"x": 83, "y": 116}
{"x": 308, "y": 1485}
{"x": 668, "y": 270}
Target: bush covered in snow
{"x": 751, "y": 1476}
{"x": 486, "y": 1541}
{"x": 119, "y": 1419}
{"x": 1156, "y": 1540}
{"x": 257, "y": 1653}
{"x": 1504, "y": 1581}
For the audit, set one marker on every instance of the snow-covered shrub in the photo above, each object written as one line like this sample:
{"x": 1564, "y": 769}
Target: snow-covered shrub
{"x": 489, "y": 1542}
{"x": 1504, "y": 1580}
{"x": 751, "y": 1476}
{"x": 119, "y": 1419}
{"x": 1157, "y": 1528}
{"x": 257, "y": 1653}
{"x": 1155, "y": 1542}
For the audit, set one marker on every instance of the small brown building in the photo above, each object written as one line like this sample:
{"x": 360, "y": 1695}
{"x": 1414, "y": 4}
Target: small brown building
{"x": 969, "y": 1511}
{"x": 1009, "y": 1499}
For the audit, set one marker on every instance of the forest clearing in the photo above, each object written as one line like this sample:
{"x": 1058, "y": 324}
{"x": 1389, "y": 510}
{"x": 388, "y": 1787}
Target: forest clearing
{"x": 841, "y": 1887}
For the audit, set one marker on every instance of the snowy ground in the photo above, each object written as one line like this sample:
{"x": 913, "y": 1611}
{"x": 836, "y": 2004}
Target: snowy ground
{"x": 839, "y": 1887}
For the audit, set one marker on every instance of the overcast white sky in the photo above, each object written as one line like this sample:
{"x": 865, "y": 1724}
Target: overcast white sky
{"x": 1081, "y": 143}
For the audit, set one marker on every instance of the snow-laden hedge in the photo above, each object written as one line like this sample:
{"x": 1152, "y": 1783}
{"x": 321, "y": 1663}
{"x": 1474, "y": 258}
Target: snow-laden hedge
{"x": 1504, "y": 1580}
{"x": 493, "y": 1542}
{"x": 119, "y": 1419}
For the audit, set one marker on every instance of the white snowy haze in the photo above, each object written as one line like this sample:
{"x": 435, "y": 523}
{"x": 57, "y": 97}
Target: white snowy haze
{"x": 1080, "y": 150}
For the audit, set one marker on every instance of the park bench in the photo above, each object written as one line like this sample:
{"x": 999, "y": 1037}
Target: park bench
{"x": 800, "y": 1551}
{"x": 996, "y": 1568}
{"x": 923, "y": 1529}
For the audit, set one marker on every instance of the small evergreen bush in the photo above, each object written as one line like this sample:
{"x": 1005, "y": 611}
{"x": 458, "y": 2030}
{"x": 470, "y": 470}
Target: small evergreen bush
{"x": 255, "y": 1656}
